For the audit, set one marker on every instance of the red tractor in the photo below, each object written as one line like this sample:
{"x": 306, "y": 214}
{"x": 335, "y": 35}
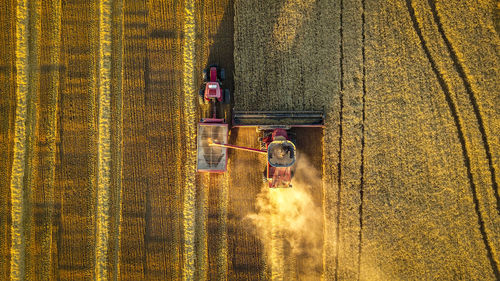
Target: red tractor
{"x": 212, "y": 159}
{"x": 213, "y": 76}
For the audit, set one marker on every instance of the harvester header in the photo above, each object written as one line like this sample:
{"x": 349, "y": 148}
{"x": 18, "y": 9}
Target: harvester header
{"x": 278, "y": 118}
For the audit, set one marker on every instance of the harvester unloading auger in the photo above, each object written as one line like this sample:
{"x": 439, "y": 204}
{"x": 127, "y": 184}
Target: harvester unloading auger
{"x": 277, "y": 141}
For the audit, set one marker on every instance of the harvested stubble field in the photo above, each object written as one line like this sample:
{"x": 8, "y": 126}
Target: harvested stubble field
{"x": 98, "y": 127}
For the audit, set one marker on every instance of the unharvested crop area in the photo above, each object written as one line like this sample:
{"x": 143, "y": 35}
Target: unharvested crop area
{"x": 98, "y": 140}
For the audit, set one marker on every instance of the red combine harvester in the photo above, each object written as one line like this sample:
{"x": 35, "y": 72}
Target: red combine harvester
{"x": 277, "y": 140}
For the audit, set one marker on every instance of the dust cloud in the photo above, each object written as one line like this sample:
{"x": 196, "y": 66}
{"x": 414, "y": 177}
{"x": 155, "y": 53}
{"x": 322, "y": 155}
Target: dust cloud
{"x": 289, "y": 223}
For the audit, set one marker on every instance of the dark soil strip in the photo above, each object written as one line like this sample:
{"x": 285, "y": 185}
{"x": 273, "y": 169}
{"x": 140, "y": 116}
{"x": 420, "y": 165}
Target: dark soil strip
{"x": 362, "y": 179}
{"x": 147, "y": 213}
{"x": 147, "y": 230}
{"x": 339, "y": 167}
{"x": 472, "y": 98}
{"x": 461, "y": 137}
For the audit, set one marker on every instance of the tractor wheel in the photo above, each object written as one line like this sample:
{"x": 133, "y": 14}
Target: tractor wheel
{"x": 263, "y": 146}
{"x": 227, "y": 96}
{"x": 205, "y": 75}
{"x": 264, "y": 176}
{"x": 293, "y": 137}
{"x": 226, "y": 116}
{"x": 222, "y": 74}
{"x": 201, "y": 97}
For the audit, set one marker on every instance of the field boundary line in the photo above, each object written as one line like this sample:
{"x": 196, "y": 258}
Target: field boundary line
{"x": 104, "y": 142}
{"x": 461, "y": 137}
{"x": 189, "y": 111}
{"x": 472, "y": 97}
{"x": 18, "y": 239}
{"x": 362, "y": 167}
{"x": 339, "y": 164}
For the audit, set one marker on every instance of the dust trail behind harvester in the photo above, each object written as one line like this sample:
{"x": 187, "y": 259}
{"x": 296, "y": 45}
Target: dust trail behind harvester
{"x": 289, "y": 222}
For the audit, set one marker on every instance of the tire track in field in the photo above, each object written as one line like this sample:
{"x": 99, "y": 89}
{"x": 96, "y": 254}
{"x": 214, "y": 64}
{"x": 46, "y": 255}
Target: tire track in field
{"x": 362, "y": 168}
{"x": 339, "y": 164}
{"x": 147, "y": 193}
{"x": 472, "y": 97}
{"x": 147, "y": 227}
{"x": 104, "y": 143}
{"x": 461, "y": 137}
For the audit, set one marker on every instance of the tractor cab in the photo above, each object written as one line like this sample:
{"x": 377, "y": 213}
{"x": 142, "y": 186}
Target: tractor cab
{"x": 213, "y": 91}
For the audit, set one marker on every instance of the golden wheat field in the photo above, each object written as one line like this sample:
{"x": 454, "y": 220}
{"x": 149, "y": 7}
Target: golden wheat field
{"x": 98, "y": 130}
